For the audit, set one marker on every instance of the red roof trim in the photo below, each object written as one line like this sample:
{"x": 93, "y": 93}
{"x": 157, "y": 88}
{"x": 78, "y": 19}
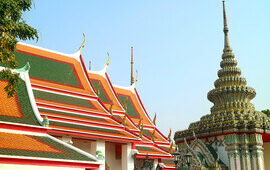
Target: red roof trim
{"x": 102, "y": 87}
{"x": 62, "y": 91}
{"x": 36, "y": 129}
{"x": 143, "y": 156}
{"x": 23, "y": 161}
{"x": 58, "y": 131}
{"x": 147, "y": 113}
{"x": 43, "y": 105}
{"x": 118, "y": 100}
{"x": 85, "y": 72}
{"x": 83, "y": 122}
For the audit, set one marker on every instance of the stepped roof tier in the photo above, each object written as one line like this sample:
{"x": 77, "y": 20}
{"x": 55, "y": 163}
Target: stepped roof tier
{"x": 24, "y": 140}
{"x": 232, "y": 110}
{"x": 109, "y": 98}
{"x": 109, "y": 94}
{"x": 152, "y": 138}
{"x": 64, "y": 92}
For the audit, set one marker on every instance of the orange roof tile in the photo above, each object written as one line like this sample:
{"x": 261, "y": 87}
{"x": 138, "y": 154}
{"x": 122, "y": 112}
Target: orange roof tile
{"x": 9, "y": 106}
{"x": 25, "y": 142}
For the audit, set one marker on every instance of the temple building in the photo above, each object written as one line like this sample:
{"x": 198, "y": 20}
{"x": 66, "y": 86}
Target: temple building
{"x": 234, "y": 135}
{"x": 65, "y": 116}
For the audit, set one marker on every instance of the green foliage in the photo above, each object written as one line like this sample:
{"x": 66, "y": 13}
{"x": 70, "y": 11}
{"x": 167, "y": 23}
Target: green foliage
{"x": 267, "y": 112}
{"x": 13, "y": 27}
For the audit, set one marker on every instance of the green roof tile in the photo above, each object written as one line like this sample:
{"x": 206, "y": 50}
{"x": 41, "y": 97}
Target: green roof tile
{"x": 61, "y": 98}
{"x": 130, "y": 109}
{"x": 102, "y": 95}
{"x": 48, "y": 69}
{"x": 72, "y": 114}
{"x": 84, "y": 127}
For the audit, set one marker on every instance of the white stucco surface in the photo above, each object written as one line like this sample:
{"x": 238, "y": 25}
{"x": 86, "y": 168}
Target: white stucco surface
{"x": 111, "y": 160}
{"x": 266, "y": 152}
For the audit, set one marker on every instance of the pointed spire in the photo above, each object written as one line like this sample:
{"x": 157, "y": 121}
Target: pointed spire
{"x": 132, "y": 69}
{"x": 90, "y": 66}
{"x": 225, "y": 29}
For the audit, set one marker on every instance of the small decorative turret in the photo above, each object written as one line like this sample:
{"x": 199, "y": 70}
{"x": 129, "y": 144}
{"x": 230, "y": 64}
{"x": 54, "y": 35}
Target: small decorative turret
{"x": 45, "y": 121}
{"x": 231, "y": 95}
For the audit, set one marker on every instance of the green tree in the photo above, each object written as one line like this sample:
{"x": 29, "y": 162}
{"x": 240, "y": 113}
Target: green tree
{"x": 267, "y": 112}
{"x": 13, "y": 27}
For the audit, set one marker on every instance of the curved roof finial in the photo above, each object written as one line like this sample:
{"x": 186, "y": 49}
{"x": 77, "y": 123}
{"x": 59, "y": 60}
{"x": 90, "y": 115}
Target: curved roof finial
{"x": 83, "y": 44}
{"x": 108, "y": 61}
{"x": 225, "y": 29}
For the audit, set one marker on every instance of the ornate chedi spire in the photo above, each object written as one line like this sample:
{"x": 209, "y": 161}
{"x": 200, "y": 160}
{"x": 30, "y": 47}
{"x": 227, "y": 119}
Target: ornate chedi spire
{"x": 233, "y": 118}
{"x": 231, "y": 95}
{"x": 232, "y": 110}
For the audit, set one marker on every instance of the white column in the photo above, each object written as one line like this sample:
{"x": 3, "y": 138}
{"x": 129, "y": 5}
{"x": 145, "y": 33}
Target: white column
{"x": 155, "y": 164}
{"x": 100, "y": 146}
{"x": 93, "y": 148}
{"x": 127, "y": 157}
{"x": 257, "y": 158}
{"x": 245, "y": 155}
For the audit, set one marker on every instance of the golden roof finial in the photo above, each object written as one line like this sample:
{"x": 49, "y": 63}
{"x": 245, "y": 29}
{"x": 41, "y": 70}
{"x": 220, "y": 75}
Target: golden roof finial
{"x": 141, "y": 131}
{"x": 124, "y": 119}
{"x": 169, "y": 136}
{"x": 139, "y": 124}
{"x": 111, "y": 111}
{"x": 83, "y": 44}
{"x": 108, "y": 61}
{"x": 125, "y": 105}
{"x": 171, "y": 147}
{"x": 153, "y": 135}
{"x": 136, "y": 76}
{"x": 154, "y": 120}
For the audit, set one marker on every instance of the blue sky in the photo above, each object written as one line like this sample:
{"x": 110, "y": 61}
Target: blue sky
{"x": 177, "y": 47}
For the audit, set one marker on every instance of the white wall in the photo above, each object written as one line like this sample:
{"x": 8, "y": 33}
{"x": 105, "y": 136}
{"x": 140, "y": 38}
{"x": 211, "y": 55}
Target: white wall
{"x": 111, "y": 160}
{"x": 83, "y": 145}
{"x": 32, "y": 167}
{"x": 266, "y": 153}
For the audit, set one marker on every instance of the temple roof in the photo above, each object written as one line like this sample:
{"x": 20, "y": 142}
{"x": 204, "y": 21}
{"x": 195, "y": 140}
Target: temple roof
{"x": 135, "y": 109}
{"x": 23, "y": 139}
{"x": 64, "y": 92}
{"x": 17, "y": 109}
{"x": 109, "y": 98}
{"x": 39, "y": 146}
{"x": 152, "y": 151}
{"x": 137, "y": 112}
{"x": 168, "y": 163}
